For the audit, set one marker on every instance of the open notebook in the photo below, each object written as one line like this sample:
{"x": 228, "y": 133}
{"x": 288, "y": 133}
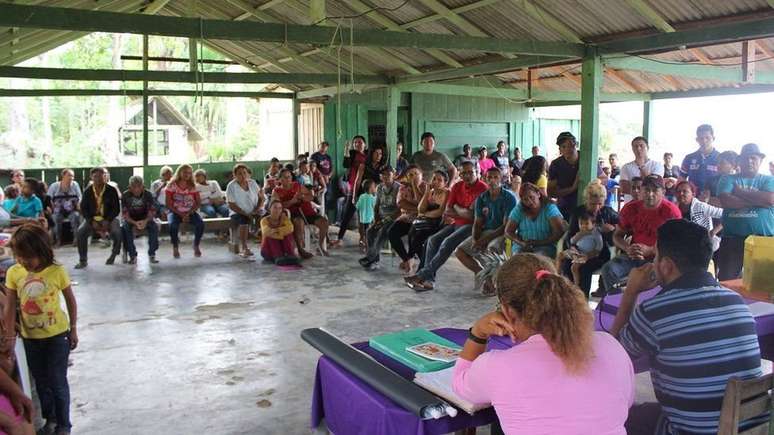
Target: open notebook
{"x": 440, "y": 384}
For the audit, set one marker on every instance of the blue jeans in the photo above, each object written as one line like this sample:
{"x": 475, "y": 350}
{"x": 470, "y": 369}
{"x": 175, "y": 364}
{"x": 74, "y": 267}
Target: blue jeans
{"x": 617, "y": 269}
{"x": 47, "y": 360}
{"x": 212, "y": 211}
{"x": 440, "y": 246}
{"x": 153, "y": 238}
{"x": 377, "y": 234}
{"x": 174, "y": 227}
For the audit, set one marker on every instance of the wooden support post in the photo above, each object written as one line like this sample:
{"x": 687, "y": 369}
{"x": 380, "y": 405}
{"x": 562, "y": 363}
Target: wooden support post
{"x": 590, "y": 97}
{"x": 296, "y": 114}
{"x": 748, "y": 61}
{"x": 144, "y": 105}
{"x": 647, "y": 119}
{"x": 193, "y": 56}
{"x": 391, "y": 127}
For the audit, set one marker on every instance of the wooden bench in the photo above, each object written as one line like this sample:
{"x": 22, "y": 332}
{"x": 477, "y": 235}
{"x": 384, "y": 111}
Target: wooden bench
{"x": 216, "y": 225}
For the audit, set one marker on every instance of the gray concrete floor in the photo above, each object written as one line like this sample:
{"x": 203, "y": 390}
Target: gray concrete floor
{"x": 211, "y": 345}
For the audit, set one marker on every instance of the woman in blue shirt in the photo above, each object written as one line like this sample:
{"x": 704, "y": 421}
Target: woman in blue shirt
{"x": 536, "y": 224}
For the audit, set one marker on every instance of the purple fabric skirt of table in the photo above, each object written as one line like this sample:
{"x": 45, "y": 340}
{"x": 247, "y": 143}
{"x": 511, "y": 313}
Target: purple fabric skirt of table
{"x": 605, "y": 314}
{"x": 350, "y": 406}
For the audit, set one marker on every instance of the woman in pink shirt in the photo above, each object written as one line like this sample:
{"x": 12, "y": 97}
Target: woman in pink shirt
{"x": 182, "y": 200}
{"x": 484, "y": 162}
{"x": 562, "y": 377}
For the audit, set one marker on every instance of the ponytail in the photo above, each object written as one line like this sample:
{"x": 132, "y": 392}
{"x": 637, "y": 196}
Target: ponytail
{"x": 550, "y": 305}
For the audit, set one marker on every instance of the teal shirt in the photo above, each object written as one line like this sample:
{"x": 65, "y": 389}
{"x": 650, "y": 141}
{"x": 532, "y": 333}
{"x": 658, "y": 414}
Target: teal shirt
{"x": 494, "y": 211}
{"x": 28, "y": 207}
{"x": 365, "y": 208}
{"x": 743, "y": 222}
{"x": 538, "y": 228}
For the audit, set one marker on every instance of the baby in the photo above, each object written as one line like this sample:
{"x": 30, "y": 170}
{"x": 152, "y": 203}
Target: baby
{"x": 584, "y": 245}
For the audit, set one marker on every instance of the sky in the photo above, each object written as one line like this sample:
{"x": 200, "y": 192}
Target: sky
{"x": 737, "y": 120}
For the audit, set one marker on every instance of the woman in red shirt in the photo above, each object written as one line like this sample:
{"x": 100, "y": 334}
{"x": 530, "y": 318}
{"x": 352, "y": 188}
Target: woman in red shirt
{"x": 183, "y": 202}
{"x": 298, "y": 200}
{"x": 356, "y": 165}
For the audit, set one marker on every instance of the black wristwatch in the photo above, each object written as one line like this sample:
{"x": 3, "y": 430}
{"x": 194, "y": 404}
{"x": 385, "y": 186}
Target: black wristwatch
{"x": 472, "y": 337}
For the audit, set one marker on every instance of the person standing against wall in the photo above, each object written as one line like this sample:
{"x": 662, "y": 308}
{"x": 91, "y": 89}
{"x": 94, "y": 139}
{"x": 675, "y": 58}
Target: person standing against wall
{"x": 563, "y": 174}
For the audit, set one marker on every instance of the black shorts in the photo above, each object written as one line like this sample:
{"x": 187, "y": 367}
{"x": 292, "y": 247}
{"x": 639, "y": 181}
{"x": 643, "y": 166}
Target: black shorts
{"x": 238, "y": 219}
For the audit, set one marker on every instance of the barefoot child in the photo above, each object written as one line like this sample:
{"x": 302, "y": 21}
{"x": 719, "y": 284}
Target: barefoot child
{"x": 365, "y": 210}
{"x": 35, "y": 285}
{"x": 584, "y": 245}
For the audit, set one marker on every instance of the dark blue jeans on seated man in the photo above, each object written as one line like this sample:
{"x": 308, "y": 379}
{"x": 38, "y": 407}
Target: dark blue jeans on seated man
{"x": 47, "y": 360}
{"x": 440, "y": 246}
{"x": 152, "y": 230}
{"x": 212, "y": 211}
{"x": 174, "y": 227}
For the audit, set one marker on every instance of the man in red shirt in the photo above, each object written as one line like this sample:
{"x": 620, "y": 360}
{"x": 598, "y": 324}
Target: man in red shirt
{"x": 441, "y": 245}
{"x": 639, "y": 219}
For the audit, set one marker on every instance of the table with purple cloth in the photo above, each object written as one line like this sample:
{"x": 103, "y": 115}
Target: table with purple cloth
{"x": 350, "y": 406}
{"x": 608, "y": 307}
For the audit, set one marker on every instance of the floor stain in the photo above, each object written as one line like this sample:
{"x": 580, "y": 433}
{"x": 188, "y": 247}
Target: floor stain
{"x": 224, "y": 306}
{"x": 267, "y": 393}
{"x": 263, "y": 403}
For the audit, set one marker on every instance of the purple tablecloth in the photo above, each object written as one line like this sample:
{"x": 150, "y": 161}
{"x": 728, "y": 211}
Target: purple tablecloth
{"x": 605, "y": 314}
{"x": 350, "y": 406}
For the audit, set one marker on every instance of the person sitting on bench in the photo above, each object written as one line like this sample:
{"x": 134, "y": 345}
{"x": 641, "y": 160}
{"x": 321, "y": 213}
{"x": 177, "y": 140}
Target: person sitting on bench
{"x": 65, "y": 195}
{"x": 183, "y": 202}
{"x": 157, "y": 189}
{"x": 213, "y": 199}
{"x": 100, "y": 207}
{"x": 139, "y": 211}
{"x": 245, "y": 199}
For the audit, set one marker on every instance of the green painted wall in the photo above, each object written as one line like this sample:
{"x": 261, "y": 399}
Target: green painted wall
{"x": 542, "y": 133}
{"x": 456, "y": 120}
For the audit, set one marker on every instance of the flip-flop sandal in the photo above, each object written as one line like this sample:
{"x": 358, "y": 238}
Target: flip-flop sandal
{"x": 422, "y": 286}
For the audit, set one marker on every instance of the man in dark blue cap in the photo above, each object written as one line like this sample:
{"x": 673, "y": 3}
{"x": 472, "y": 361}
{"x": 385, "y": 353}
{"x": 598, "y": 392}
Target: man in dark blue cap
{"x": 563, "y": 174}
{"x": 747, "y": 198}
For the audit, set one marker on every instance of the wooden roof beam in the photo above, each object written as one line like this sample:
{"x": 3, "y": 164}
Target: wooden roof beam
{"x": 96, "y": 21}
{"x": 618, "y": 77}
{"x": 651, "y": 15}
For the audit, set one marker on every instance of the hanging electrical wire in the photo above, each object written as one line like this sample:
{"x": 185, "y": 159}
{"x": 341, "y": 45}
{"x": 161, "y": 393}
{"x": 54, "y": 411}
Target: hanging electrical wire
{"x": 366, "y": 12}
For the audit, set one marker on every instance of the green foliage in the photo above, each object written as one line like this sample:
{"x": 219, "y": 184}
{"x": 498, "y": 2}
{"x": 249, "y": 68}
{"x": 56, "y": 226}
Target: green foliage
{"x": 74, "y": 121}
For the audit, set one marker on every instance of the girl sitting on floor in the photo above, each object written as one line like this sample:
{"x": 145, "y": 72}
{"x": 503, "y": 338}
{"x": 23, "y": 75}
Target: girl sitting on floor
{"x": 35, "y": 286}
{"x": 277, "y": 245}
{"x": 562, "y": 377}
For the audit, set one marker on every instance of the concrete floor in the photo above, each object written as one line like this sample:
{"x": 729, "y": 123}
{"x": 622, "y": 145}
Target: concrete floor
{"x": 212, "y": 345}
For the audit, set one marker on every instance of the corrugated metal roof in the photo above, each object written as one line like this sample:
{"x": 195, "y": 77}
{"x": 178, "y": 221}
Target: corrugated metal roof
{"x": 589, "y": 19}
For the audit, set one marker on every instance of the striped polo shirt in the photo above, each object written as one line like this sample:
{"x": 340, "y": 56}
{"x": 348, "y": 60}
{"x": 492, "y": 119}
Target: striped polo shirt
{"x": 696, "y": 335}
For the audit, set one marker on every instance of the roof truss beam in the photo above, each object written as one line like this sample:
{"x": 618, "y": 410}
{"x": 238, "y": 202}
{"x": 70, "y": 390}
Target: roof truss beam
{"x": 458, "y": 10}
{"x": 181, "y": 76}
{"x": 478, "y": 70}
{"x": 718, "y": 34}
{"x": 543, "y": 17}
{"x": 92, "y": 21}
{"x": 731, "y": 74}
{"x": 138, "y": 93}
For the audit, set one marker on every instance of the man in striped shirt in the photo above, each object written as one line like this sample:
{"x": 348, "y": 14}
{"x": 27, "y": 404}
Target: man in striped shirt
{"x": 695, "y": 333}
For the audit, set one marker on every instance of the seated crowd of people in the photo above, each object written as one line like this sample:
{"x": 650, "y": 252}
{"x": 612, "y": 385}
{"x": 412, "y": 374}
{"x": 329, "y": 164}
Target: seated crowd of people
{"x": 675, "y": 220}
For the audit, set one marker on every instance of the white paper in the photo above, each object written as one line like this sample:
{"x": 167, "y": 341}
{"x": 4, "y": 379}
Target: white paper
{"x": 440, "y": 383}
{"x": 759, "y": 309}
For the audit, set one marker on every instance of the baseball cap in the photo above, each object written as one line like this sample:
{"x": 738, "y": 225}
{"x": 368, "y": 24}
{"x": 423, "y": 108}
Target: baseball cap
{"x": 563, "y": 136}
{"x": 751, "y": 149}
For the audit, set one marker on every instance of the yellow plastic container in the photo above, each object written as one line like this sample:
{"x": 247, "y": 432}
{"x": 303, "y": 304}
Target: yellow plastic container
{"x": 758, "y": 273}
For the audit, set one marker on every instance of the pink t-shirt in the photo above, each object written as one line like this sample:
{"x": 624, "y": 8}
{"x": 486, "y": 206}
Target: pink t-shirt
{"x": 485, "y": 165}
{"x": 181, "y": 199}
{"x": 533, "y": 394}
{"x": 7, "y": 409}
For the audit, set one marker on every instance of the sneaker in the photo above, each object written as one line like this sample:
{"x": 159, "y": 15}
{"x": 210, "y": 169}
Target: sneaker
{"x": 133, "y": 260}
{"x": 152, "y": 259}
{"x": 365, "y": 262}
{"x": 81, "y": 265}
{"x": 111, "y": 259}
{"x": 47, "y": 429}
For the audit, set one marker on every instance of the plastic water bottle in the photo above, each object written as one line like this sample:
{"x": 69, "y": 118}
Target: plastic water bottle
{"x": 437, "y": 411}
